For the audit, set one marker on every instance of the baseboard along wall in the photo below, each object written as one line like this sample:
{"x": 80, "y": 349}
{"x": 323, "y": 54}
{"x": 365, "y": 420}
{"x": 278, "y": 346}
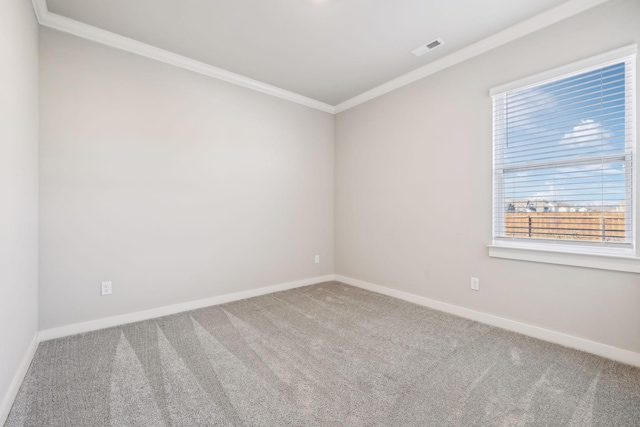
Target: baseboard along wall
{"x": 108, "y": 322}
{"x": 604, "y": 350}
{"x": 12, "y": 392}
{"x": 599, "y": 349}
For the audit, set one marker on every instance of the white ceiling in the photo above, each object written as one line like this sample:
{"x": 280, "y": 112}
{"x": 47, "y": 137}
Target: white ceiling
{"x": 328, "y": 50}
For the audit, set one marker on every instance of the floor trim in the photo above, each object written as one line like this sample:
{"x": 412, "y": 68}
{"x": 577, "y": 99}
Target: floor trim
{"x": 610, "y": 352}
{"x": 107, "y": 322}
{"x": 10, "y": 396}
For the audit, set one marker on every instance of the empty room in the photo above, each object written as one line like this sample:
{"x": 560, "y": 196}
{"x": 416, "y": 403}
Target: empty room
{"x": 319, "y": 213}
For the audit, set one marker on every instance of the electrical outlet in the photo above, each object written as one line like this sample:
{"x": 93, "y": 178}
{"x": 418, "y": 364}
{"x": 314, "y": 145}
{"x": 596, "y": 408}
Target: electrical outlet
{"x": 475, "y": 283}
{"x": 105, "y": 288}
{"x": 317, "y": 259}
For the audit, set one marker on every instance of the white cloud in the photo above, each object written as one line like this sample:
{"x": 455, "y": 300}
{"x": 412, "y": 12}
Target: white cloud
{"x": 587, "y": 132}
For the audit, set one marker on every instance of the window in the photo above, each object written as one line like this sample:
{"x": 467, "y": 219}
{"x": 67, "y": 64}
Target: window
{"x": 563, "y": 158}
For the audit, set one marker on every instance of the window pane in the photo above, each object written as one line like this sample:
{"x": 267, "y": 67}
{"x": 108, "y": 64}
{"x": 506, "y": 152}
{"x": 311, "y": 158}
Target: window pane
{"x": 583, "y": 115}
{"x": 587, "y": 203}
{"x": 563, "y": 158}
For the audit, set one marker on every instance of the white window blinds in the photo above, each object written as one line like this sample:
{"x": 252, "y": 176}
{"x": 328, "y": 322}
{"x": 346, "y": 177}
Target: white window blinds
{"x": 564, "y": 158}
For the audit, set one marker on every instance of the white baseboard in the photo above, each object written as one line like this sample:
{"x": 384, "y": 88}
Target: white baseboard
{"x": 614, "y": 353}
{"x": 107, "y": 322}
{"x": 7, "y": 401}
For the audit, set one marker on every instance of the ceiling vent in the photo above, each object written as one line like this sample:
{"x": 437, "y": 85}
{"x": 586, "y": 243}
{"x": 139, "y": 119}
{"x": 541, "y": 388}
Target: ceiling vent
{"x": 419, "y": 51}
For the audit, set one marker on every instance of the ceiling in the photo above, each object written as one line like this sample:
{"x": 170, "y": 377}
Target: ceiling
{"x": 327, "y": 50}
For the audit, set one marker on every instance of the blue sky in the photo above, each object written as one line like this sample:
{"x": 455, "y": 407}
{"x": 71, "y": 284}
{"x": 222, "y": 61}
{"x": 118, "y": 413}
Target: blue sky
{"x": 592, "y": 125}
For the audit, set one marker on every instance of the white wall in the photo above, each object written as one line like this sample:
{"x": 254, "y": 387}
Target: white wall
{"x": 413, "y": 191}
{"x": 18, "y": 188}
{"x": 173, "y": 185}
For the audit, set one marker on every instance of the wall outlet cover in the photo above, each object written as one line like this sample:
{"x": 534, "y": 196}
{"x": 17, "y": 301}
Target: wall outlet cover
{"x": 106, "y": 288}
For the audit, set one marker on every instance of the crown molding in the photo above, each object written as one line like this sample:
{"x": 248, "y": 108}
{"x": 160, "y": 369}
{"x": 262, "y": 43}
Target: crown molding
{"x": 89, "y": 32}
{"x": 538, "y": 22}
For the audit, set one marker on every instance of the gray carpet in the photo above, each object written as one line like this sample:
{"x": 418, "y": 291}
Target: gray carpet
{"x": 322, "y": 355}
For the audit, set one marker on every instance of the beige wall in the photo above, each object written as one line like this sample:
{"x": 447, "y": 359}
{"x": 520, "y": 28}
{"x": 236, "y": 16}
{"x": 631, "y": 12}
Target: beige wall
{"x": 173, "y": 185}
{"x": 18, "y": 186}
{"x": 413, "y": 191}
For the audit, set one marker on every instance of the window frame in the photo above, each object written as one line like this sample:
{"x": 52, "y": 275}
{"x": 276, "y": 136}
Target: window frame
{"x": 578, "y": 253}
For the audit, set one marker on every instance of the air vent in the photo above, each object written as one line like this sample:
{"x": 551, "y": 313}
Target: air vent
{"x": 419, "y": 51}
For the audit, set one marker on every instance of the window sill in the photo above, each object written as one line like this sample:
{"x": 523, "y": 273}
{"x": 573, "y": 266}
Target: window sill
{"x": 615, "y": 262}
